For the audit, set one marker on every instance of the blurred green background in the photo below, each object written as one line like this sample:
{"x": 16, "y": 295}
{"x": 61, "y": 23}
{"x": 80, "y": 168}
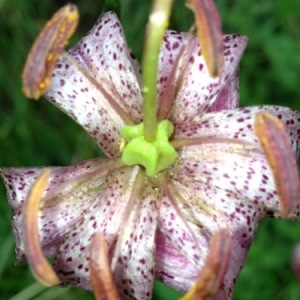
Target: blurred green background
{"x": 36, "y": 133}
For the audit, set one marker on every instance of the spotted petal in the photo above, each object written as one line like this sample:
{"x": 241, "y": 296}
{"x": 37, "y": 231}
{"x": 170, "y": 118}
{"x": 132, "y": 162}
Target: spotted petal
{"x": 210, "y": 209}
{"x": 228, "y": 98}
{"x": 195, "y": 90}
{"x": 173, "y": 224}
{"x": 104, "y": 215}
{"x": 96, "y": 83}
{"x": 70, "y": 192}
{"x": 232, "y": 168}
{"x": 118, "y": 201}
{"x": 172, "y": 267}
{"x": 236, "y": 126}
{"x": 207, "y": 209}
{"x": 134, "y": 270}
{"x": 225, "y": 182}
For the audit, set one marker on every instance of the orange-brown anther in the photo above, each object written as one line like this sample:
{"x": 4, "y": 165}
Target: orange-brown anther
{"x": 209, "y": 31}
{"x": 40, "y": 267}
{"x": 47, "y": 49}
{"x": 277, "y": 148}
{"x": 104, "y": 287}
{"x": 210, "y": 279}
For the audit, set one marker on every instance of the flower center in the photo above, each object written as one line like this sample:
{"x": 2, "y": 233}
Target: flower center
{"x": 154, "y": 156}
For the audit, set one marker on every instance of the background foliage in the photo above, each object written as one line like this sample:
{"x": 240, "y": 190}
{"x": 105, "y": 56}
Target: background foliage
{"x": 36, "y": 133}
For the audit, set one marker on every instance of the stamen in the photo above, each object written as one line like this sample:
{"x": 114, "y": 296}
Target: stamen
{"x": 47, "y": 49}
{"x": 208, "y": 24}
{"x": 277, "y": 148}
{"x": 210, "y": 279}
{"x": 40, "y": 267}
{"x": 101, "y": 277}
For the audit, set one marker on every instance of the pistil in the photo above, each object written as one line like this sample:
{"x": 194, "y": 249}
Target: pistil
{"x": 156, "y": 155}
{"x": 157, "y": 25}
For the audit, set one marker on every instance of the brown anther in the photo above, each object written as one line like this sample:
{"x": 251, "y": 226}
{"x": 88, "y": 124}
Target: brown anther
{"x": 210, "y": 279}
{"x": 104, "y": 287}
{"x": 40, "y": 267}
{"x": 47, "y": 49}
{"x": 277, "y": 148}
{"x": 209, "y": 30}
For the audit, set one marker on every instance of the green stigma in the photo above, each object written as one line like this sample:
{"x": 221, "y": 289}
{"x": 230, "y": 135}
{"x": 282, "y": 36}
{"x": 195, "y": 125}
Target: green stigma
{"x": 154, "y": 156}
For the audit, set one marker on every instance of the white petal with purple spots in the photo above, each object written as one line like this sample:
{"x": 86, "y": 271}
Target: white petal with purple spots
{"x": 69, "y": 193}
{"x": 237, "y": 125}
{"x": 134, "y": 272}
{"x": 197, "y": 90}
{"x": 96, "y": 84}
{"x": 104, "y": 215}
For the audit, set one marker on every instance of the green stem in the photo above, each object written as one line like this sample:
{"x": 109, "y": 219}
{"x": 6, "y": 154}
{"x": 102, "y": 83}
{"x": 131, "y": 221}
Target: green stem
{"x": 158, "y": 23}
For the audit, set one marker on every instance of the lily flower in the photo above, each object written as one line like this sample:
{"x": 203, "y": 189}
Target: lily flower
{"x": 158, "y": 205}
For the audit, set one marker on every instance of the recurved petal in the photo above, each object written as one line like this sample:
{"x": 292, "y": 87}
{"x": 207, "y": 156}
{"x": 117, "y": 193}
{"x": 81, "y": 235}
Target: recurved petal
{"x": 169, "y": 67}
{"x": 96, "y": 84}
{"x": 228, "y": 98}
{"x": 236, "y": 126}
{"x": 197, "y": 90}
{"x": 123, "y": 201}
{"x": 173, "y": 224}
{"x": 172, "y": 267}
{"x": 231, "y": 167}
{"x": 208, "y": 209}
{"x": 106, "y": 55}
{"x": 172, "y": 46}
{"x": 104, "y": 215}
{"x": 241, "y": 144}
{"x": 135, "y": 265}
{"x": 226, "y": 155}
{"x": 69, "y": 193}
